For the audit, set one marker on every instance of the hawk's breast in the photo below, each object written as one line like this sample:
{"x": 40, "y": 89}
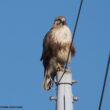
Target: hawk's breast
{"x": 62, "y": 37}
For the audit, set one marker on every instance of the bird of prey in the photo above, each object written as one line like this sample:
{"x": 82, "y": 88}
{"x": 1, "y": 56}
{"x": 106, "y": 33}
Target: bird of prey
{"x": 56, "y": 46}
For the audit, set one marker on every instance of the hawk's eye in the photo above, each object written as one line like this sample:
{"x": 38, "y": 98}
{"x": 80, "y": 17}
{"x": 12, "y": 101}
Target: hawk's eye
{"x": 59, "y": 20}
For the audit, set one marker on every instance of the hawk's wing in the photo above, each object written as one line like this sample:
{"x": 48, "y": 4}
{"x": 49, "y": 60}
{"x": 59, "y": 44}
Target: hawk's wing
{"x": 73, "y": 50}
{"x": 46, "y": 53}
{"x": 44, "y": 47}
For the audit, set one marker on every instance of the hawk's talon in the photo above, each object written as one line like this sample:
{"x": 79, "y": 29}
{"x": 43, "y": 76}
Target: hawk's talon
{"x": 59, "y": 67}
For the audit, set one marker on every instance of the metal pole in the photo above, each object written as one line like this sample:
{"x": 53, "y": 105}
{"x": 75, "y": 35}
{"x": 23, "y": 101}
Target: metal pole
{"x": 65, "y": 98}
{"x": 64, "y": 91}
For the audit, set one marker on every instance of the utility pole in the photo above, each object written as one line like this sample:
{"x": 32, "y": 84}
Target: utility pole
{"x": 65, "y": 98}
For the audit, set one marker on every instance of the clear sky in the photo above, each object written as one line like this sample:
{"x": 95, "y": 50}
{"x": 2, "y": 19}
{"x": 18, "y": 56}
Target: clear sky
{"x": 23, "y": 24}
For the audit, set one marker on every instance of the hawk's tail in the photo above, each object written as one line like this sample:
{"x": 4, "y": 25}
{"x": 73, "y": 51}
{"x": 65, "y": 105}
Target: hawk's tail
{"x": 48, "y": 82}
{"x": 50, "y": 73}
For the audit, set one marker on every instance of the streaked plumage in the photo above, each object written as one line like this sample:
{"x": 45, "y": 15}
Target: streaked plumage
{"x": 56, "y": 45}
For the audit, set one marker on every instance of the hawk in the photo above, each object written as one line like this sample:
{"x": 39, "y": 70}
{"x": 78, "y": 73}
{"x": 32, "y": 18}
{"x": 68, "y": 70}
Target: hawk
{"x": 56, "y": 46}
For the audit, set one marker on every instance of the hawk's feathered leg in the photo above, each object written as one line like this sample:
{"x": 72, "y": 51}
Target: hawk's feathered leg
{"x": 49, "y": 74}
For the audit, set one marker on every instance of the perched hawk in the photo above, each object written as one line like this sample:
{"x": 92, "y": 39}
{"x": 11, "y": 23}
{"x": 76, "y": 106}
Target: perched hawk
{"x": 56, "y": 45}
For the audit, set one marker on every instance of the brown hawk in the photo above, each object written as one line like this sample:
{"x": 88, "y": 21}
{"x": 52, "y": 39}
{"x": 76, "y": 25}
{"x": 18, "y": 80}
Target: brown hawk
{"x": 56, "y": 45}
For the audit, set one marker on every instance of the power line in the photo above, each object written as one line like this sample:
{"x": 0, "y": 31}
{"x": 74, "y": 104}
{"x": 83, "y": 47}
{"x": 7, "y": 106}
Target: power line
{"x": 104, "y": 83}
{"x": 78, "y": 15}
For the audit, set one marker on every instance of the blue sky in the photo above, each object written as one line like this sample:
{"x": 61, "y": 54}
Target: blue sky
{"x": 23, "y": 24}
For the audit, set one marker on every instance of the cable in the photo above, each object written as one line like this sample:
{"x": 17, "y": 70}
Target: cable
{"x": 78, "y": 15}
{"x": 104, "y": 83}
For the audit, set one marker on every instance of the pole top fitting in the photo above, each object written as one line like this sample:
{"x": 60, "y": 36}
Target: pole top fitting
{"x": 75, "y": 98}
{"x": 53, "y": 98}
{"x": 74, "y": 81}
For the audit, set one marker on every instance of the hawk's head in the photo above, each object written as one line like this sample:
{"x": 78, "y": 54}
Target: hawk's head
{"x": 59, "y": 21}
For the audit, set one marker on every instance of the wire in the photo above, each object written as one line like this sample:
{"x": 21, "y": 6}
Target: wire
{"x": 77, "y": 19}
{"x": 104, "y": 83}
